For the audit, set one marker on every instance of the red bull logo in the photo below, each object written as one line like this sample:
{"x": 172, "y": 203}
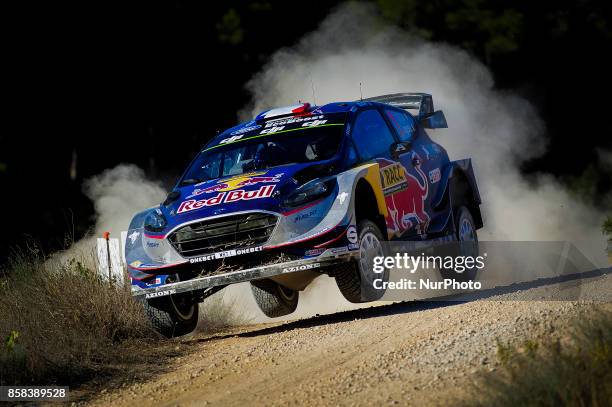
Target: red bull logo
{"x": 405, "y": 198}
{"x": 238, "y": 181}
{"x": 236, "y": 195}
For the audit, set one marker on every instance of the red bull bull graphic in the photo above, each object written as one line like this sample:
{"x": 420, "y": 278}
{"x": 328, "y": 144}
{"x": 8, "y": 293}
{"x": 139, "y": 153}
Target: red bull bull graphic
{"x": 226, "y": 197}
{"x": 405, "y": 197}
{"x": 238, "y": 181}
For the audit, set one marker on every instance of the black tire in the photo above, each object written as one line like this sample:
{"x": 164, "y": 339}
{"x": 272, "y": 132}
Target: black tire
{"x": 355, "y": 279}
{"x": 273, "y": 299}
{"x": 465, "y": 244}
{"x": 172, "y": 316}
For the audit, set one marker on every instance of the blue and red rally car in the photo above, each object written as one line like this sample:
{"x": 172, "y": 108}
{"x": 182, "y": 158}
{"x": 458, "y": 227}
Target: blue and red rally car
{"x": 297, "y": 192}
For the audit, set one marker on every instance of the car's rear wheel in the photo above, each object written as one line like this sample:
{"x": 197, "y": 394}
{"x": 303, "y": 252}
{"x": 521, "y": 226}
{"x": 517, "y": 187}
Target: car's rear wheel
{"x": 273, "y": 299}
{"x": 466, "y": 241}
{"x": 356, "y": 279}
{"x": 172, "y": 316}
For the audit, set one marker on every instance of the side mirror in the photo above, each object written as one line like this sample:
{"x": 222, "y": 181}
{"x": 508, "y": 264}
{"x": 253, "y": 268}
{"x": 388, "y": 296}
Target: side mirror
{"x": 400, "y": 148}
{"x": 436, "y": 120}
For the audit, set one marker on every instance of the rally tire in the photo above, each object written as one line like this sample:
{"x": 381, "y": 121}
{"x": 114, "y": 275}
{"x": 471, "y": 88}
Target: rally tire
{"x": 168, "y": 320}
{"x": 467, "y": 239}
{"x": 351, "y": 279}
{"x": 273, "y": 299}
{"x": 348, "y": 281}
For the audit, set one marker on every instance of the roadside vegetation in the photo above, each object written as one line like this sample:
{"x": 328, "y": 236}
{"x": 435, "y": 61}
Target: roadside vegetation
{"x": 62, "y": 323}
{"x": 606, "y": 228}
{"x": 573, "y": 371}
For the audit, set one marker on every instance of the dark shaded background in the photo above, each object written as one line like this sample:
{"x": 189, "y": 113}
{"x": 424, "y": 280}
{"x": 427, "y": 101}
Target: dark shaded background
{"x": 149, "y": 83}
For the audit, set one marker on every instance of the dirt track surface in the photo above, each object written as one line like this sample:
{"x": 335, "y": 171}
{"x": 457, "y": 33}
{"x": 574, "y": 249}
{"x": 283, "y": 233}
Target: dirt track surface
{"x": 424, "y": 353}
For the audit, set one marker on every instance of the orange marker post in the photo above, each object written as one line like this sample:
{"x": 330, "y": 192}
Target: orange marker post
{"x": 106, "y": 236}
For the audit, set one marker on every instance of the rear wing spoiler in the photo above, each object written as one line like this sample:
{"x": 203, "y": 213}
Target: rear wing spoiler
{"x": 420, "y": 104}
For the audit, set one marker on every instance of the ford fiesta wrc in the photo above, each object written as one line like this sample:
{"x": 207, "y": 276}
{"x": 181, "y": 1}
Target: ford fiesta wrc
{"x": 295, "y": 193}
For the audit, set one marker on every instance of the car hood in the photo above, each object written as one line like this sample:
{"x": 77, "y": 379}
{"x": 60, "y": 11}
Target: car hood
{"x": 258, "y": 190}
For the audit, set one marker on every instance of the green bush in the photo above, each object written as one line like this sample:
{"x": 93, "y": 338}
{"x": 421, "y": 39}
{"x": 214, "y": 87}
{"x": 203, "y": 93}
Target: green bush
{"x": 606, "y": 228}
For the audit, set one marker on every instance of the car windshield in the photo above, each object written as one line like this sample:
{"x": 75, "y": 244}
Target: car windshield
{"x": 256, "y": 151}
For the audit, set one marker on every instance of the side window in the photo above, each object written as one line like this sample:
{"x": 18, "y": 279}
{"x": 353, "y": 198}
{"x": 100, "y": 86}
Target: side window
{"x": 371, "y": 135}
{"x": 403, "y": 124}
{"x": 352, "y": 155}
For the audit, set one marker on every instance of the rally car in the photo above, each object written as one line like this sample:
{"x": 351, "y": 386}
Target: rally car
{"x": 297, "y": 192}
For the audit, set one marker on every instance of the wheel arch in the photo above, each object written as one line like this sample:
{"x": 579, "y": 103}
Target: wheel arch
{"x": 367, "y": 206}
{"x": 460, "y": 188}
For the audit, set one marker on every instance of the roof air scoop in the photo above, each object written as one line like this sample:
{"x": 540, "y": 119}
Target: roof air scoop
{"x": 303, "y": 109}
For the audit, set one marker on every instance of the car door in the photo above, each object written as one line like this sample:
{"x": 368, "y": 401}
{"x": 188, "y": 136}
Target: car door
{"x": 373, "y": 140}
{"x": 422, "y": 161}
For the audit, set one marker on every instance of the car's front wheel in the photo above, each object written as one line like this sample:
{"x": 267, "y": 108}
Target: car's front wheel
{"x": 356, "y": 279}
{"x": 273, "y": 299}
{"x": 172, "y": 316}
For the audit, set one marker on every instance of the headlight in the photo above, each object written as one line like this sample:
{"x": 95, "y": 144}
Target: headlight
{"x": 309, "y": 192}
{"x": 155, "y": 221}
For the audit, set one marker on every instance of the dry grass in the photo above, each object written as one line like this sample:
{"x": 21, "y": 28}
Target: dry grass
{"x": 63, "y": 324}
{"x": 574, "y": 372}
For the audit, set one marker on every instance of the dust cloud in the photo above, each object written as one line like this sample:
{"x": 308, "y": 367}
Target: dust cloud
{"x": 118, "y": 194}
{"x": 498, "y": 129}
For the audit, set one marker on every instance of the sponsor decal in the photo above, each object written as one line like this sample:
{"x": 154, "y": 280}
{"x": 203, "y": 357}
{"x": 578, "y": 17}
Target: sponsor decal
{"x": 400, "y": 149}
{"x": 226, "y": 197}
{"x": 302, "y": 216}
{"x": 239, "y": 181}
{"x": 393, "y": 178}
{"x": 353, "y": 246}
{"x": 406, "y": 206}
{"x": 342, "y": 197}
{"x": 272, "y": 130}
{"x": 133, "y": 236}
{"x": 196, "y": 192}
{"x": 285, "y": 121}
{"x": 230, "y": 139}
{"x": 227, "y": 253}
{"x": 434, "y": 175}
{"x": 141, "y": 265}
{"x": 160, "y": 293}
{"x": 314, "y": 252}
{"x": 243, "y": 130}
{"x": 314, "y": 123}
{"x": 152, "y": 244}
{"x": 351, "y": 234}
{"x": 157, "y": 281}
{"x": 301, "y": 268}
{"x": 339, "y": 250}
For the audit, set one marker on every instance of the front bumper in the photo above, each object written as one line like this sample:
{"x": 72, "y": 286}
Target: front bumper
{"x": 240, "y": 276}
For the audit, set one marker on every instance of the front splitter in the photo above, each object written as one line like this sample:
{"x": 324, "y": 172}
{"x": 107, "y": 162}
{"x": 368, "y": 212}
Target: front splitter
{"x": 241, "y": 276}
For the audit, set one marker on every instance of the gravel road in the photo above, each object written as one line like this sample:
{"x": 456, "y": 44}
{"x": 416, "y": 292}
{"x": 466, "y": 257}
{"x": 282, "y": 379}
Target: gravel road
{"x": 416, "y": 353}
